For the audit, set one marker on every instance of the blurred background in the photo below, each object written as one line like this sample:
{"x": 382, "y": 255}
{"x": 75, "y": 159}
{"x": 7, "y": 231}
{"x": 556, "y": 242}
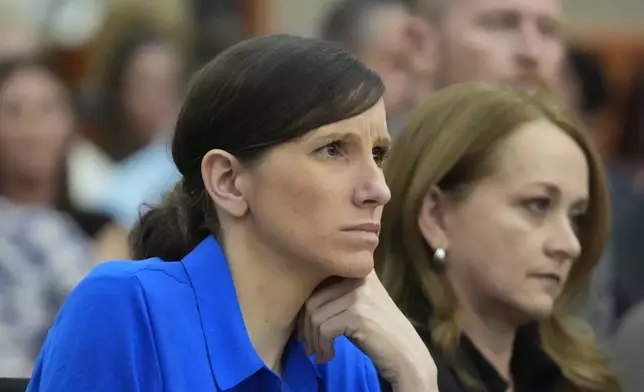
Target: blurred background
{"x": 89, "y": 90}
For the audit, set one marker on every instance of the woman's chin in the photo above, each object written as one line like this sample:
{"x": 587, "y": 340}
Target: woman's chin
{"x": 355, "y": 265}
{"x": 539, "y": 308}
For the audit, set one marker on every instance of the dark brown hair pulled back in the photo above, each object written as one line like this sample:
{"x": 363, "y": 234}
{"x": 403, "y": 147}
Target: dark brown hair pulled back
{"x": 256, "y": 95}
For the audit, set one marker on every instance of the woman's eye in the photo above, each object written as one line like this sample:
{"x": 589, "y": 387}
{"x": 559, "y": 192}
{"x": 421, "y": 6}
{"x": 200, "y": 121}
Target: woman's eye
{"x": 538, "y": 206}
{"x": 331, "y": 150}
{"x": 379, "y": 155}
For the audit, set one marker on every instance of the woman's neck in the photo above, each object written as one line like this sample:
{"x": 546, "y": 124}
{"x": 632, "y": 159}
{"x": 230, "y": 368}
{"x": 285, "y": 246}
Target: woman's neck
{"x": 271, "y": 291}
{"x": 493, "y": 338}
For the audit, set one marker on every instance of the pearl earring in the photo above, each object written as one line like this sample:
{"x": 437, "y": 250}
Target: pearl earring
{"x": 439, "y": 256}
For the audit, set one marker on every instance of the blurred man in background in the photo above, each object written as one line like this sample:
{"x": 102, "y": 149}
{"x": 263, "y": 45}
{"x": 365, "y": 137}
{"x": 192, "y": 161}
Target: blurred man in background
{"x": 390, "y": 40}
{"x": 516, "y": 42}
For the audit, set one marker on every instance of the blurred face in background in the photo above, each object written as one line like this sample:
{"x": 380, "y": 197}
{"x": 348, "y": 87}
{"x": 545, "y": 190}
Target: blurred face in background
{"x": 396, "y": 48}
{"x": 151, "y": 88}
{"x": 516, "y": 42}
{"x": 36, "y": 121}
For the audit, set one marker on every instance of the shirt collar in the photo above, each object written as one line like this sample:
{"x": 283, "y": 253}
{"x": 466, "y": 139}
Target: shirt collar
{"x": 233, "y": 358}
{"x": 532, "y": 369}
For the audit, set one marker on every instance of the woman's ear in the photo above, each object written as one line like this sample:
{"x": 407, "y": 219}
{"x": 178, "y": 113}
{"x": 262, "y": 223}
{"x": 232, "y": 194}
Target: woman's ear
{"x": 221, "y": 172}
{"x": 431, "y": 219}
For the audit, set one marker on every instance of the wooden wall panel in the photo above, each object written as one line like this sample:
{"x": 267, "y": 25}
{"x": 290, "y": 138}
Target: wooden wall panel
{"x": 621, "y": 53}
{"x": 256, "y": 16}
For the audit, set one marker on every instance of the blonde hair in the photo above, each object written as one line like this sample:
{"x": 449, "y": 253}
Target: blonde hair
{"x": 449, "y": 142}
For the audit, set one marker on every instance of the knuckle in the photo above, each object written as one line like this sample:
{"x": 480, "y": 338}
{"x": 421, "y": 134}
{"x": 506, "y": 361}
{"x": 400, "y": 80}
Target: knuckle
{"x": 355, "y": 316}
{"x": 316, "y": 319}
{"x": 360, "y": 309}
{"x": 326, "y": 330}
{"x": 356, "y": 297}
{"x": 309, "y": 306}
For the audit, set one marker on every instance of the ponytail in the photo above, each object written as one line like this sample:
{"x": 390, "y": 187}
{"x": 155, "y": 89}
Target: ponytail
{"x": 174, "y": 228}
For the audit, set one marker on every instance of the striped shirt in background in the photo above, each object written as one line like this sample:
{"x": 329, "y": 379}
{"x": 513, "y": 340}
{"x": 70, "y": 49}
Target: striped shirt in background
{"x": 42, "y": 257}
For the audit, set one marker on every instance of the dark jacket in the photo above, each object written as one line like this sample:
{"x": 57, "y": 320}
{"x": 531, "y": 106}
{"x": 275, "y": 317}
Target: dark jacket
{"x": 532, "y": 370}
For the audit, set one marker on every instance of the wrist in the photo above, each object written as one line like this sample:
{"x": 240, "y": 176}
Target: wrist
{"x": 416, "y": 383}
{"x": 416, "y": 373}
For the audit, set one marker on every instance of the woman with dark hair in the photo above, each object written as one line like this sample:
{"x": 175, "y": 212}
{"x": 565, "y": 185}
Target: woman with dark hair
{"x": 139, "y": 90}
{"x": 136, "y": 98}
{"x": 273, "y": 226}
{"x": 36, "y": 127}
{"x": 43, "y": 254}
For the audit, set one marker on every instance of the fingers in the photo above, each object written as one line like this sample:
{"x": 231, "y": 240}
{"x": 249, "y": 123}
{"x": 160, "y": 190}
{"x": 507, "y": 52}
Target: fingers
{"x": 321, "y": 342}
{"x": 319, "y": 298}
{"x": 327, "y": 332}
{"x": 330, "y": 312}
{"x": 305, "y": 331}
{"x": 332, "y": 292}
{"x": 323, "y": 324}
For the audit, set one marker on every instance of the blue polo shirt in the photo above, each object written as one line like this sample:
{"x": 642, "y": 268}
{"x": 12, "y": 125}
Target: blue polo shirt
{"x": 157, "y": 326}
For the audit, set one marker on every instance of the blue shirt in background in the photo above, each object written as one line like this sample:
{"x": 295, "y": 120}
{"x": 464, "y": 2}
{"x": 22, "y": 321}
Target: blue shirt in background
{"x": 141, "y": 179}
{"x": 176, "y": 326}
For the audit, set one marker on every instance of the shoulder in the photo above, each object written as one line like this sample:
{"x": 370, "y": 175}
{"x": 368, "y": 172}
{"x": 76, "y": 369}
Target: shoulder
{"x": 129, "y": 276}
{"x": 102, "y": 338}
{"x": 121, "y": 270}
{"x": 110, "y": 288}
{"x": 350, "y": 369}
{"x": 108, "y": 308}
{"x": 119, "y": 286}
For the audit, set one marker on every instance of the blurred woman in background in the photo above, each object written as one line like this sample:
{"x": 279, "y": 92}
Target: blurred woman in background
{"x": 132, "y": 104}
{"x": 43, "y": 252}
{"x": 499, "y": 214}
{"x": 36, "y": 127}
